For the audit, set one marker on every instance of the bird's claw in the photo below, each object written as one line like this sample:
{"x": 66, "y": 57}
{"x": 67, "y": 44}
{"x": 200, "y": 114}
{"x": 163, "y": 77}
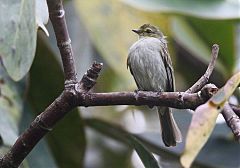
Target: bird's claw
{"x": 136, "y": 91}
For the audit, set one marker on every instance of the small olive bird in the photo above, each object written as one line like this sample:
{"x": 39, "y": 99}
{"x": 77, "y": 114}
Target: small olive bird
{"x": 150, "y": 64}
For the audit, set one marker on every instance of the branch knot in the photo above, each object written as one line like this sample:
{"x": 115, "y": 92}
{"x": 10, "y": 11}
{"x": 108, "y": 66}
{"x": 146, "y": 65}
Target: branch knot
{"x": 41, "y": 124}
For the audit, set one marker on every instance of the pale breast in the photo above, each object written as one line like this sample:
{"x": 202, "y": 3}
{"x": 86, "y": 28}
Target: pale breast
{"x": 147, "y": 65}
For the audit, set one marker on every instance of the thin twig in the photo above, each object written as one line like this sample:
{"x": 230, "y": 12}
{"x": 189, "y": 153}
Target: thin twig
{"x": 204, "y": 79}
{"x": 236, "y": 109}
{"x": 232, "y": 120}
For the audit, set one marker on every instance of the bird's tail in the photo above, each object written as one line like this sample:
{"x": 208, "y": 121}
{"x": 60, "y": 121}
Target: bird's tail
{"x": 170, "y": 131}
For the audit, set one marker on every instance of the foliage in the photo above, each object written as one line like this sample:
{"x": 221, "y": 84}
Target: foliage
{"x": 18, "y": 34}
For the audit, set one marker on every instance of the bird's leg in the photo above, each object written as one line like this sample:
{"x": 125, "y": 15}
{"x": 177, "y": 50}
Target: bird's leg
{"x": 136, "y": 91}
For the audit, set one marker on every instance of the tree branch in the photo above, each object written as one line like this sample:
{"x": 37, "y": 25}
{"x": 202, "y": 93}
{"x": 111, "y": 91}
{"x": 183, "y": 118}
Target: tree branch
{"x": 64, "y": 103}
{"x": 228, "y": 112}
{"x": 236, "y": 109}
{"x": 204, "y": 79}
{"x": 57, "y": 17}
{"x": 232, "y": 120}
{"x": 180, "y": 100}
{"x": 77, "y": 94}
{"x": 47, "y": 119}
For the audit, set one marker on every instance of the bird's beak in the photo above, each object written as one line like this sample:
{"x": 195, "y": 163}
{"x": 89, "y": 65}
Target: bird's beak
{"x": 136, "y": 31}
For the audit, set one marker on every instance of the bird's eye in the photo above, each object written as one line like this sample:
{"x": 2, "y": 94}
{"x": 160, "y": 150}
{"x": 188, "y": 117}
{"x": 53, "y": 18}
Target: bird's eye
{"x": 148, "y": 30}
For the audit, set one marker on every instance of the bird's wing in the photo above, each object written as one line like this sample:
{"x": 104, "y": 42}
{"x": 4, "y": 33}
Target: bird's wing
{"x": 169, "y": 69}
{"x": 129, "y": 65}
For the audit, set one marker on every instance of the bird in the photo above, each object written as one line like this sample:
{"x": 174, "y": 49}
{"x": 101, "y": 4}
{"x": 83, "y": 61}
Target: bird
{"x": 151, "y": 67}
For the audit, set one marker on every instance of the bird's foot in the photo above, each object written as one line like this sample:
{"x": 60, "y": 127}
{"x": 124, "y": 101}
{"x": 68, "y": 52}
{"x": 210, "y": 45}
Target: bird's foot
{"x": 136, "y": 91}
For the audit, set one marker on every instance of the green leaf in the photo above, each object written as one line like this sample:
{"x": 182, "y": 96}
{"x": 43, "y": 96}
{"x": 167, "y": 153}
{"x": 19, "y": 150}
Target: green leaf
{"x": 204, "y": 119}
{"x": 212, "y": 32}
{"x": 146, "y": 157}
{"x": 8, "y": 128}
{"x": 68, "y": 137}
{"x": 11, "y": 105}
{"x": 214, "y": 9}
{"x": 188, "y": 38}
{"x": 237, "y": 37}
{"x": 67, "y": 140}
{"x": 42, "y": 14}
{"x": 17, "y": 36}
{"x": 118, "y": 133}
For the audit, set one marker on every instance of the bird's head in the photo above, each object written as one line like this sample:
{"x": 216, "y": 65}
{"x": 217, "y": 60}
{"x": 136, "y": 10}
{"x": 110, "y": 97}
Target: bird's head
{"x": 148, "y": 30}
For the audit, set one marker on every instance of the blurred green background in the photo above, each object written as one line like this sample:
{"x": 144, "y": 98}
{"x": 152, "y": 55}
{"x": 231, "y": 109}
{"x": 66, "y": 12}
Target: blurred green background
{"x": 95, "y": 137}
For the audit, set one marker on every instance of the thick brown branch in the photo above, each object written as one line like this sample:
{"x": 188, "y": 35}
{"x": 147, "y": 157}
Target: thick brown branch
{"x": 204, "y": 79}
{"x": 57, "y": 17}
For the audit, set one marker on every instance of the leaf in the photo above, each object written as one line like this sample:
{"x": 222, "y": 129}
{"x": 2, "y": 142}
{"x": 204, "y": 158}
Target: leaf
{"x": 211, "y": 31}
{"x": 202, "y": 124}
{"x": 11, "y": 105}
{"x": 187, "y": 37}
{"x": 17, "y": 36}
{"x": 237, "y": 40}
{"x": 224, "y": 93}
{"x": 8, "y": 128}
{"x": 119, "y": 134}
{"x": 203, "y": 121}
{"x": 215, "y": 9}
{"x": 68, "y": 136}
{"x": 147, "y": 158}
{"x": 42, "y": 14}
